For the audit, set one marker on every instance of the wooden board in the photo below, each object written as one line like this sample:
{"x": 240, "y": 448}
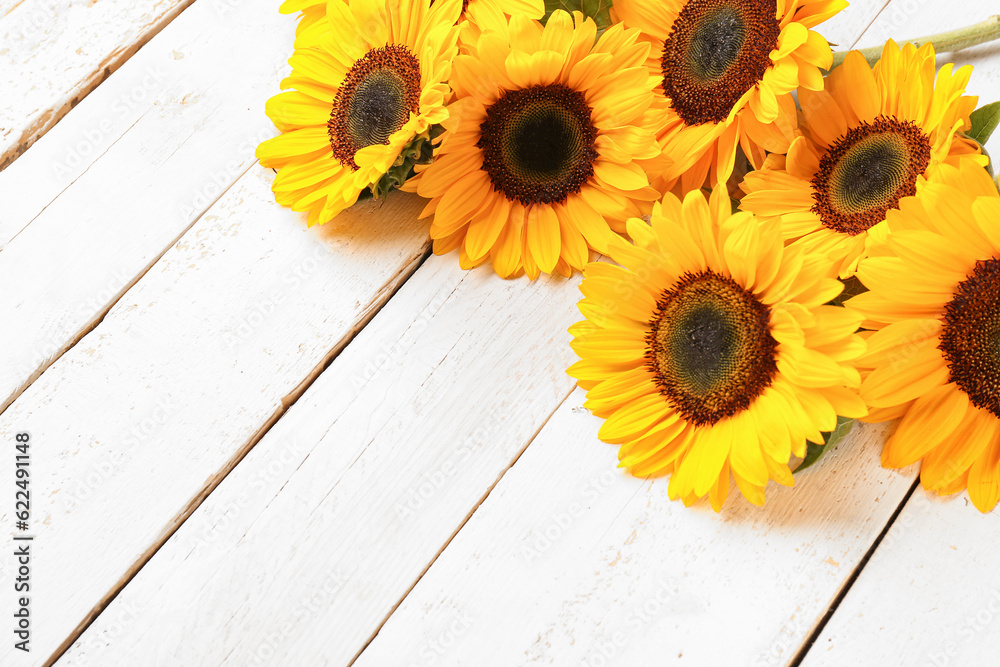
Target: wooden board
{"x": 845, "y": 29}
{"x": 930, "y": 596}
{"x": 324, "y": 527}
{"x": 90, "y": 208}
{"x": 57, "y": 51}
{"x": 143, "y": 417}
{"x": 593, "y": 567}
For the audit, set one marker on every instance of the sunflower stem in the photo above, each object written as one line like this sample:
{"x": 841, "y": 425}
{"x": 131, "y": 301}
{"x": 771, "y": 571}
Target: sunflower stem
{"x": 945, "y": 42}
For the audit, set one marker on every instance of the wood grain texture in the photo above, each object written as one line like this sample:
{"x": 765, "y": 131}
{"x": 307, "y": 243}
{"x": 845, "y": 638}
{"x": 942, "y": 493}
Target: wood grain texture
{"x": 56, "y": 51}
{"x": 102, "y": 196}
{"x": 580, "y": 564}
{"x": 845, "y": 29}
{"x": 930, "y": 596}
{"x": 144, "y": 416}
{"x": 309, "y": 544}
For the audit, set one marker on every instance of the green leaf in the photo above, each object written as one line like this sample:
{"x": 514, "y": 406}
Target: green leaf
{"x": 599, "y": 10}
{"x": 984, "y": 121}
{"x": 852, "y": 287}
{"x": 420, "y": 150}
{"x": 830, "y": 440}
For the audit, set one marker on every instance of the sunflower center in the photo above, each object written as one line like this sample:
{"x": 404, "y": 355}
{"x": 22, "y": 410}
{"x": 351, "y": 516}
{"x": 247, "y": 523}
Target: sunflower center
{"x": 971, "y": 338}
{"x": 867, "y": 171}
{"x": 710, "y": 347}
{"x": 538, "y": 143}
{"x": 717, "y": 50}
{"x": 375, "y": 100}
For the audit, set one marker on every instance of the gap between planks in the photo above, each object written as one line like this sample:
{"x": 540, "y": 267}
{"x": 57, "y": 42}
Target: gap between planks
{"x": 810, "y": 641}
{"x": 352, "y": 439}
{"x": 460, "y": 526}
{"x": 287, "y": 402}
{"x": 864, "y": 32}
{"x": 818, "y": 629}
{"x": 99, "y": 317}
{"x": 57, "y": 110}
{"x": 127, "y": 157}
{"x": 468, "y": 516}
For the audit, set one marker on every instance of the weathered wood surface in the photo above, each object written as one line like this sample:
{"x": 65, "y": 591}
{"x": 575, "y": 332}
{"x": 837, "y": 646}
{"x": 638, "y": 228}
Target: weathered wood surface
{"x": 930, "y": 596}
{"x": 90, "y": 208}
{"x": 54, "y": 52}
{"x": 144, "y": 416}
{"x": 310, "y": 543}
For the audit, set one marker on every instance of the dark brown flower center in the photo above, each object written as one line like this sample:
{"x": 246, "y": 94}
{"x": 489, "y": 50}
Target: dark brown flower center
{"x": 710, "y": 347}
{"x": 717, "y": 50}
{"x": 374, "y": 101}
{"x": 538, "y": 143}
{"x": 971, "y": 338}
{"x": 867, "y": 171}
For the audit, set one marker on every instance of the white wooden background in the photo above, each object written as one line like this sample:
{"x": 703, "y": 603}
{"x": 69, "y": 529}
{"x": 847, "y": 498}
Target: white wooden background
{"x": 258, "y": 444}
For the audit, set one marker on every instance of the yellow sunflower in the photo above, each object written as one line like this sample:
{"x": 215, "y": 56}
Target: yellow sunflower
{"x": 539, "y": 161}
{"x": 934, "y": 359}
{"x": 365, "y": 92}
{"x": 710, "y": 350}
{"x": 869, "y": 137}
{"x": 726, "y": 70}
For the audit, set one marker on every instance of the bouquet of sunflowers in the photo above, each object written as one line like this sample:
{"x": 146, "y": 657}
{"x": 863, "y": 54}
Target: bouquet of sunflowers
{"x": 793, "y": 239}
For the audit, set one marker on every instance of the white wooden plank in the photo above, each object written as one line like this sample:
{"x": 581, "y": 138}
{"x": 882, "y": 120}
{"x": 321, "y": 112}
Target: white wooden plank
{"x": 930, "y": 595}
{"x": 571, "y": 562}
{"x": 7, "y": 5}
{"x": 141, "y": 418}
{"x": 54, "y": 52}
{"x": 844, "y": 29}
{"x": 93, "y": 204}
{"x": 310, "y": 542}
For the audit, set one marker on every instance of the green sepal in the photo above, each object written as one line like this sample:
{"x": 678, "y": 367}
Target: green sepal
{"x": 420, "y": 150}
{"x": 852, "y": 287}
{"x": 598, "y": 10}
{"x": 985, "y": 120}
{"x": 830, "y": 440}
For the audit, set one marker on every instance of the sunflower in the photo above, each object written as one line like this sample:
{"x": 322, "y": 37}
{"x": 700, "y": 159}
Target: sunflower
{"x": 870, "y": 136}
{"x": 539, "y": 163}
{"x": 726, "y": 70}
{"x": 711, "y": 351}
{"x": 934, "y": 359}
{"x": 366, "y": 90}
